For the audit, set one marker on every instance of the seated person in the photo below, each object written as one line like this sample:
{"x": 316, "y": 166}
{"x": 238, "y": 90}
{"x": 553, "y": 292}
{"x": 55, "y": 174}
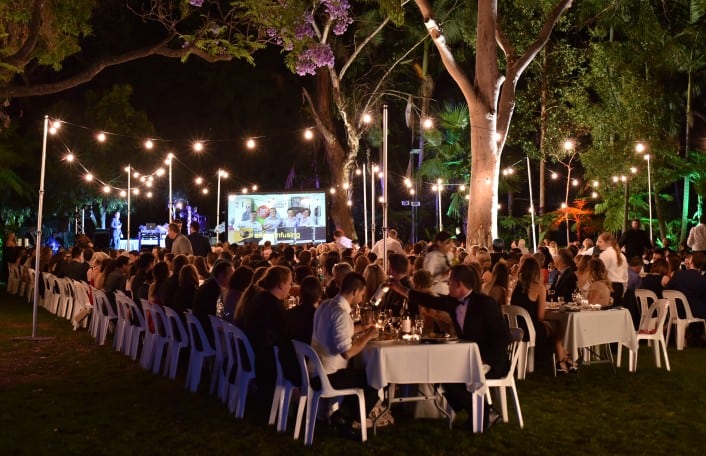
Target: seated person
{"x": 600, "y": 287}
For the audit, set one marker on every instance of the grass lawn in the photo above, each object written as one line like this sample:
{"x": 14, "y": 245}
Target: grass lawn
{"x": 67, "y": 396}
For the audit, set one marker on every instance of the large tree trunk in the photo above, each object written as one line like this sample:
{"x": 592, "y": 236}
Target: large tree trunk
{"x": 336, "y": 156}
{"x": 687, "y": 193}
{"x": 543, "y": 122}
{"x": 485, "y": 164}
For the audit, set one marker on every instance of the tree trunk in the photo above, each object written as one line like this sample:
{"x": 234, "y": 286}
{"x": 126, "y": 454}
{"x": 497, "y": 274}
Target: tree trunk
{"x": 336, "y": 157}
{"x": 543, "y": 121}
{"x": 485, "y": 165}
{"x": 687, "y": 192}
{"x": 660, "y": 217}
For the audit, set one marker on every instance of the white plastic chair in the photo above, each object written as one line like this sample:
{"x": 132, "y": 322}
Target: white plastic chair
{"x": 160, "y": 337}
{"x": 147, "y": 354}
{"x": 201, "y": 350}
{"x": 645, "y": 298}
{"x": 244, "y": 371}
{"x": 29, "y": 287}
{"x": 309, "y": 360}
{"x": 56, "y": 294}
{"x": 139, "y": 333}
{"x": 526, "y": 360}
{"x": 103, "y": 315}
{"x": 674, "y": 320}
{"x": 178, "y": 340}
{"x": 66, "y": 298}
{"x": 651, "y": 329}
{"x": 13, "y": 281}
{"x": 219, "y": 382}
{"x": 509, "y": 380}
{"x": 82, "y": 302}
{"x": 282, "y": 397}
{"x": 124, "y": 328}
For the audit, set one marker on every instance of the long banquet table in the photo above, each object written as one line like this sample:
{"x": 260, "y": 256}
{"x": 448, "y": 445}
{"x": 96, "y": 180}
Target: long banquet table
{"x": 588, "y": 328}
{"x": 393, "y": 363}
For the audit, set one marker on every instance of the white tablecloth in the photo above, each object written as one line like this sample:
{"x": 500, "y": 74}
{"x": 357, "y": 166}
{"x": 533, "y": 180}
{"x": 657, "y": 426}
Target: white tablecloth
{"x": 588, "y": 328}
{"x": 423, "y": 363}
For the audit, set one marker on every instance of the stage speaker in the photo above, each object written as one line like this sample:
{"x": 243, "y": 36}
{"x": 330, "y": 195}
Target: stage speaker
{"x": 101, "y": 240}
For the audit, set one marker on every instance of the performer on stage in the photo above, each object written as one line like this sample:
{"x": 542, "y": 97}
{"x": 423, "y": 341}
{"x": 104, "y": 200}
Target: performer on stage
{"x": 117, "y": 232}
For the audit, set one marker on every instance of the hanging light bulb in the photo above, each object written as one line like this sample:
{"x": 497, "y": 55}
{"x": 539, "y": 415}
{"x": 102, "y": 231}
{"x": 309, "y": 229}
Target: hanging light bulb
{"x": 332, "y": 190}
{"x": 149, "y": 194}
{"x": 428, "y": 123}
{"x": 69, "y": 157}
{"x": 149, "y": 144}
{"x": 123, "y": 193}
{"x": 308, "y": 134}
{"x": 204, "y": 191}
{"x": 198, "y": 146}
{"x": 254, "y": 188}
{"x": 198, "y": 180}
{"x": 367, "y": 118}
{"x": 100, "y": 137}
{"x": 88, "y": 177}
{"x": 250, "y": 143}
{"x": 106, "y": 189}
{"x": 245, "y": 189}
{"x": 346, "y": 186}
{"x": 135, "y": 191}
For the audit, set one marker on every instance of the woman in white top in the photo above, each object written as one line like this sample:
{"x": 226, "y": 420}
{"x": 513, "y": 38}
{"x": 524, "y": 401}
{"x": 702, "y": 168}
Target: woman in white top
{"x": 615, "y": 264}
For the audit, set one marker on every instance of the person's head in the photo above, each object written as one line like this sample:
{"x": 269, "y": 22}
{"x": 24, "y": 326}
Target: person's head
{"x": 498, "y": 245}
{"x": 635, "y": 224}
{"x": 195, "y": 227}
{"x": 277, "y": 280}
{"x": 374, "y": 277}
{"x": 188, "y": 277}
{"x": 660, "y": 266}
{"x": 500, "y": 275}
{"x": 340, "y": 270}
{"x": 160, "y": 272}
{"x": 563, "y": 259}
{"x": 698, "y": 260}
{"x": 353, "y": 288}
{"x": 597, "y": 270}
{"x": 529, "y": 273}
{"x": 173, "y": 230}
{"x": 241, "y": 278}
{"x": 587, "y": 243}
{"x": 442, "y": 241}
{"x": 397, "y": 265}
{"x": 422, "y": 279}
{"x": 117, "y": 214}
{"x": 338, "y": 233}
{"x": 290, "y": 213}
{"x": 310, "y": 291}
{"x": 77, "y": 253}
{"x": 657, "y": 253}
{"x": 605, "y": 240}
{"x": 306, "y": 213}
{"x": 179, "y": 262}
{"x": 462, "y": 280}
{"x": 123, "y": 264}
{"x": 272, "y": 212}
{"x": 145, "y": 261}
{"x": 360, "y": 263}
{"x": 392, "y": 233}
{"x": 221, "y": 272}
{"x": 484, "y": 260}
{"x": 253, "y": 216}
{"x": 88, "y": 255}
{"x": 635, "y": 263}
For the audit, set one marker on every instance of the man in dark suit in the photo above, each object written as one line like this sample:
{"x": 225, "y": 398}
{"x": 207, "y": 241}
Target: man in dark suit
{"x": 565, "y": 283}
{"x": 199, "y": 243}
{"x": 477, "y": 318}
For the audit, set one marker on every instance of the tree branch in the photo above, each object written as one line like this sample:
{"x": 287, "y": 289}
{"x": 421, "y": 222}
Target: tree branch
{"x": 447, "y": 57}
{"x": 325, "y": 132}
{"x": 162, "y": 49}
{"x": 358, "y": 49}
{"x": 22, "y": 56}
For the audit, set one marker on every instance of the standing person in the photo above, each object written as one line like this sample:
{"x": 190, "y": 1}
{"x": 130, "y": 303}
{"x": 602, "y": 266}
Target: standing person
{"x": 635, "y": 240}
{"x": 336, "y": 340}
{"x": 438, "y": 262}
{"x": 180, "y": 243}
{"x": 616, "y": 265}
{"x": 392, "y": 244}
{"x": 116, "y": 228}
{"x": 199, "y": 243}
{"x": 697, "y": 236}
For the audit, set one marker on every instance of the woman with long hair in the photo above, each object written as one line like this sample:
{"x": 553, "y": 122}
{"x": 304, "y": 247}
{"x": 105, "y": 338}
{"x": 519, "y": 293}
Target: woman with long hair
{"x": 438, "y": 261}
{"x": 600, "y": 287}
{"x": 374, "y": 277}
{"x": 263, "y": 322}
{"x": 530, "y": 294}
{"x": 615, "y": 264}
{"x": 497, "y": 286}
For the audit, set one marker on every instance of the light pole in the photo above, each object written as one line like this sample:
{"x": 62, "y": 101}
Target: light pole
{"x": 384, "y": 187}
{"x": 534, "y": 230}
{"x": 170, "y": 206}
{"x": 223, "y": 174}
{"x": 129, "y": 196}
{"x": 437, "y": 188}
{"x": 365, "y": 201}
{"x": 374, "y": 170}
{"x": 641, "y": 148}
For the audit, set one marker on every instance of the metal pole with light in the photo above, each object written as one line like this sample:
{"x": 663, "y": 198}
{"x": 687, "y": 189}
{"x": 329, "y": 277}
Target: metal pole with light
{"x": 38, "y": 241}
{"x": 129, "y": 196}
{"x": 365, "y": 202}
{"x": 169, "y": 159}
{"x": 649, "y": 191}
{"x": 224, "y": 174}
{"x": 439, "y": 187}
{"x": 374, "y": 172}
{"x": 534, "y": 229}
{"x": 384, "y": 187}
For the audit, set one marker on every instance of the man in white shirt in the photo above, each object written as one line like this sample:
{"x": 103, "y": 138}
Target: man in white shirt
{"x": 392, "y": 244}
{"x": 697, "y": 236}
{"x": 336, "y": 340}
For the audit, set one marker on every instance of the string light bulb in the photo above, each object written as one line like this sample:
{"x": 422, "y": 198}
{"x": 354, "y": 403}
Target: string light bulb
{"x": 245, "y": 189}
{"x": 100, "y": 137}
{"x": 308, "y": 134}
{"x": 367, "y": 118}
{"x": 332, "y": 190}
{"x": 135, "y": 191}
{"x": 149, "y": 144}
{"x": 428, "y": 123}
{"x": 254, "y": 188}
{"x": 198, "y": 180}
{"x": 204, "y": 190}
{"x": 149, "y": 194}
{"x": 554, "y": 175}
{"x": 358, "y": 172}
{"x": 88, "y": 177}
{"x": 106, "y": 189}
{"x": 70, "y": 157}
{"x": 250, "y": 143}
{"x": 123, "y": 193}
{"x": 198, "y": 146}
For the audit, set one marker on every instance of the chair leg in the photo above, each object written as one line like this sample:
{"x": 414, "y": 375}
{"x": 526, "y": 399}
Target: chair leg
{"x": 363, "y": 416}
{"x": 275, "y": 404}
{"x": 478, "y": 412}
{"x": 503, "y": 403}
{"x": 620, "y": 355}
{"x": 311, "y": 420}
{"x": 284, "y": 409}
{"x": 517, "y": 406}
{"x": 300, "y": 414}
{"x": 655, "y": 350}
{"x": 664, "y": 352}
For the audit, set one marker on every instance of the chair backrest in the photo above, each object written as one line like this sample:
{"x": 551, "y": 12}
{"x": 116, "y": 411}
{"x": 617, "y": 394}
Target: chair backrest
{"x": 136, "y": 312}
{"x": 650, "y": 325}
{"x": 517, "y": 335}
{"x": 161, "y": 323}
{"x": 675, "y": 298}
{"x": 175, "y": 329}
{"x": 197, "y": 335}
{"x": 311, "y": 367}
{"x": 218, "y": 335}
{"x": 245, "y": 354}
{"x": 512, "y": 313}
{"x": 645, "y": 298}
{"x": 102, "y": 304}
{"x": 123, "y": 306}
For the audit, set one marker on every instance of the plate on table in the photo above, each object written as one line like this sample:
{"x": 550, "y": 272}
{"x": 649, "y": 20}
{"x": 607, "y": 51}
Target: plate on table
{"x": 438, "y": 338}
{"x": 384, "y": 339}
{"x": 572, "y": 308}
